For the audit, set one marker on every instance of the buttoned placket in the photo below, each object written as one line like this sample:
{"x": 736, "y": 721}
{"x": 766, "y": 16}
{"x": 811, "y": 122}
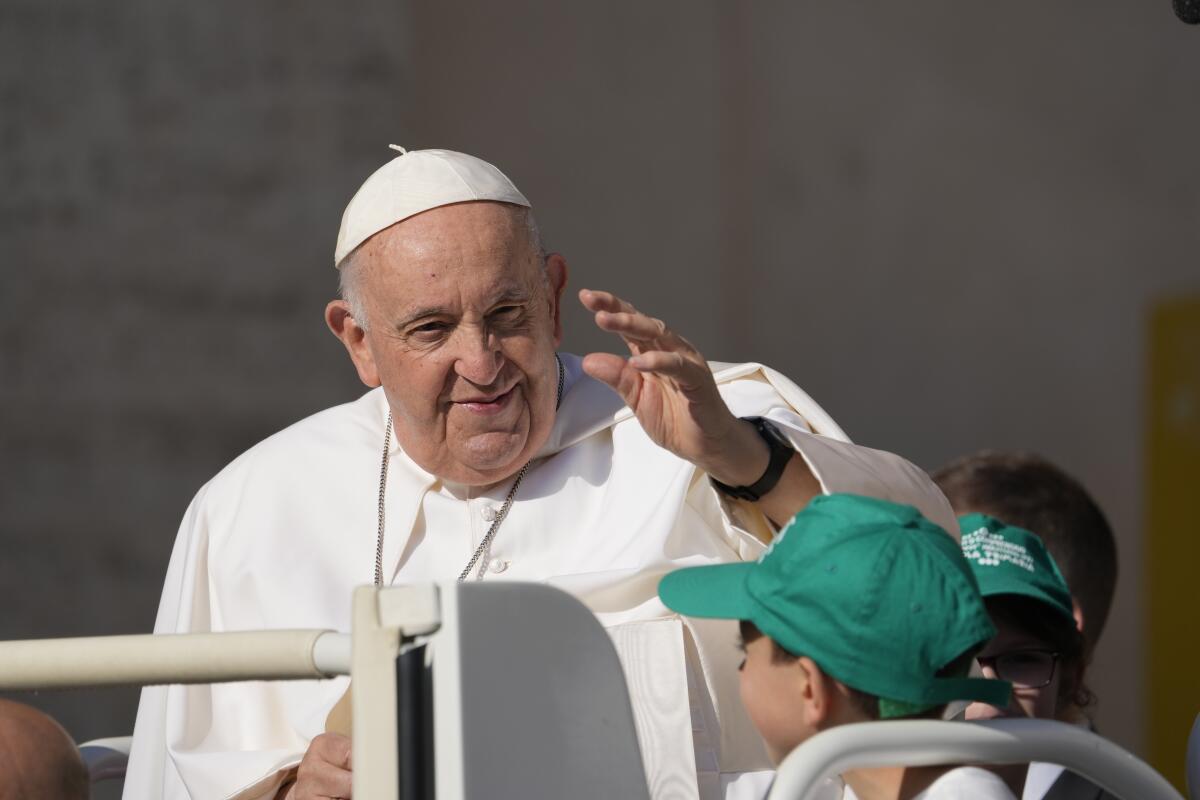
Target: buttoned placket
{"x": 488, "y": 510}
{"x": 483, "y": 511}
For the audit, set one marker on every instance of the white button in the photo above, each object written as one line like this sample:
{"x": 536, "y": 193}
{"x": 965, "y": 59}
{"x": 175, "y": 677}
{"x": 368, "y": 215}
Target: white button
{"x": 497, "y": 565}
{"x": 488, "y": 513}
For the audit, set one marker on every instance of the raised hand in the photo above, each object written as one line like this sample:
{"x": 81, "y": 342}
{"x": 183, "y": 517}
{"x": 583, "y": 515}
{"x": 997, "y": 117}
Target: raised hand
{"x": 670, "y": 388}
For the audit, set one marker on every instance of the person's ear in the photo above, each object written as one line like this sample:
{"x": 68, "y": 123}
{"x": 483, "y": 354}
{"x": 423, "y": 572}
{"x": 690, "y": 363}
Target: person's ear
{"x": 556, "y": 271}
{"x": 814, "y": 690}
{"x": 1077, "y": 612}
{"x": 354, "y": 337}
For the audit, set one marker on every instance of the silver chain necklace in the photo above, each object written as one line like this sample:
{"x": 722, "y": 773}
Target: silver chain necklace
{"x": 485, "y": 546}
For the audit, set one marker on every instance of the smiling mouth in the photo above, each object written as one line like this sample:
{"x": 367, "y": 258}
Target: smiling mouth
{"x": 486, "y": 405}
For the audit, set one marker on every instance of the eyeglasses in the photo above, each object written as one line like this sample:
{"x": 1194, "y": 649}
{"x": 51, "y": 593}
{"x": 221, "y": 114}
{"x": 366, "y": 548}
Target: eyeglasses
{"x": 1024, "y": 669}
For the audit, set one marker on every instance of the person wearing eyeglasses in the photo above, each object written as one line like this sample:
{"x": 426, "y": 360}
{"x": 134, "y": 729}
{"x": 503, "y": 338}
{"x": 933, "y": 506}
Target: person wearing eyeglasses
{"x": 1038, "y": 647}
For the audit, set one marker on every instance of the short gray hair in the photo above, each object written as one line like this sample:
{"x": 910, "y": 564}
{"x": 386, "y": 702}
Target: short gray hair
{"x": 349, "y": 279}
{"x": 348, "y": 288}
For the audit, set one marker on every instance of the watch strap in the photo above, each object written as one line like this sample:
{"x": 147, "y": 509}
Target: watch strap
{"x": 781, "y": 452}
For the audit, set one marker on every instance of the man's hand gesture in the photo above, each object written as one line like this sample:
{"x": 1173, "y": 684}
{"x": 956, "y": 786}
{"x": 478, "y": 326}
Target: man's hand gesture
{"x": 670, "y": 388}
{"x": 668, "y": 385}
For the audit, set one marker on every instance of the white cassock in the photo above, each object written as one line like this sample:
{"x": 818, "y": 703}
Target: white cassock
{"x": 280, "y": 537}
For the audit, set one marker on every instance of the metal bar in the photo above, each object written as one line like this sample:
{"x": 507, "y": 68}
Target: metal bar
{"x": 146, "y": 660}
{"x": 927, "y": 742}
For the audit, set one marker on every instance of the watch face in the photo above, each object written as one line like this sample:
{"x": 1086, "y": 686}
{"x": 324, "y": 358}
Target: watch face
{"x": 770, "y": 431}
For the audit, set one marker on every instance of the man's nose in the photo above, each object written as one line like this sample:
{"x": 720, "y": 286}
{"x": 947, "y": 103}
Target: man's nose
{"x": 478, "y": 357}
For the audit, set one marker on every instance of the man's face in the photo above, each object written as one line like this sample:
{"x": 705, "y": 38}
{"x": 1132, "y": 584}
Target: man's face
{"x": 463, "y": 325}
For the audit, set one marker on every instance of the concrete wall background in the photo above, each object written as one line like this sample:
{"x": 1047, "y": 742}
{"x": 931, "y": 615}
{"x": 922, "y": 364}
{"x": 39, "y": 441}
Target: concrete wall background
{"x": 945, "y": 222}
{"x": 173, "y": 178}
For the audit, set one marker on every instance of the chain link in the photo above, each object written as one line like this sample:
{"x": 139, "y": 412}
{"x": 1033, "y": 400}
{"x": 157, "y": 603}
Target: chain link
{"x": 484, "y": 550}
{"x": 383, "y": 471}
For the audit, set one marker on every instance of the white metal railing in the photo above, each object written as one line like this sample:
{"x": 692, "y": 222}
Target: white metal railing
{"x": 929, "y": 742}
{"x": 382, "y": 616}
{"x": 149, "y": 659}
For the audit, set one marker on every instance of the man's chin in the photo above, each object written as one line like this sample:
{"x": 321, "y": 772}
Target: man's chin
{"x": 492, "y": 458}
{"x": 488, "y": 457}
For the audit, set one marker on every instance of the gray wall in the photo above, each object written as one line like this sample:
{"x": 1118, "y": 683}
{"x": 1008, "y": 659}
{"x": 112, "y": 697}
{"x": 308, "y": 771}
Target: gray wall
{"x": 945, "y": 221}
{"x": 173, "y": 175}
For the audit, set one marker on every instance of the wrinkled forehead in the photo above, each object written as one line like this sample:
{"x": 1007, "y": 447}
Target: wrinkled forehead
{"x": 479, "y": 239}
{"x": 460, "y": 228}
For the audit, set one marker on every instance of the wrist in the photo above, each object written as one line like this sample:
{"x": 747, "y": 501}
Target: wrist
{"x": 740, "y": 457}
{"x": 751, "y": 479}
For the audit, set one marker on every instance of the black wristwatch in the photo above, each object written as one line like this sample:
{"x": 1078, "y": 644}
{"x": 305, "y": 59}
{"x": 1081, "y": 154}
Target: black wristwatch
{"x": 781, "y": 452}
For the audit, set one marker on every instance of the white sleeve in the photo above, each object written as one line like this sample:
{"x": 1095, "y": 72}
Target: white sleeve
{"x": 838, "y": 464}
{"x": 180, "y": 747}
{"x": 973, "y": 782}
{"x": 847, "y": 467}
{"x": 146, "y": 774}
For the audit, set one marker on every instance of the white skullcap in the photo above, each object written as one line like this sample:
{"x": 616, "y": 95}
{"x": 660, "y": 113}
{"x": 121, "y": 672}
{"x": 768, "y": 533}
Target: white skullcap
{"x": 414, "y": 182}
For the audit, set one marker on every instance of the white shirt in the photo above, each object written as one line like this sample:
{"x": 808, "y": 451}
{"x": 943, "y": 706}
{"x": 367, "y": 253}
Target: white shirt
{"x": 960, "y": 783}
{"x": 1039, "y": 778}
{"x": 279, "y": 538}
{"x": 967, "y": 783}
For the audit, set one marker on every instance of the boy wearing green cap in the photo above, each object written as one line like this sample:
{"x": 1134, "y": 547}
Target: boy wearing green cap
{"x": 861, "y": 609}
{"x": 1037, "y": 648}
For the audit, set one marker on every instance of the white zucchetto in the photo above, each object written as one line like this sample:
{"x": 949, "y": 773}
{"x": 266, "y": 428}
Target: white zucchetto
{"x": 417, "y": 181}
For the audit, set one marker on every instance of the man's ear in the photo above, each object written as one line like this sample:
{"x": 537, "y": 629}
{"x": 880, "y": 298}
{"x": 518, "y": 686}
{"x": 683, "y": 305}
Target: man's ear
{"x": 556, "y": 271}
{"x": 346, "y": 328}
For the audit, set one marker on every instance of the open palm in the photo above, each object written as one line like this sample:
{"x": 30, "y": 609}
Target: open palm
{"x": 665, "y": 380}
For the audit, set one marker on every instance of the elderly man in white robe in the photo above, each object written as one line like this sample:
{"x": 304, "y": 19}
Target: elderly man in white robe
{"x": 482, "y": 453}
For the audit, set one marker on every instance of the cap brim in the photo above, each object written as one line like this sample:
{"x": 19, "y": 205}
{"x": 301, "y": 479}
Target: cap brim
{"x": 1035, "y": 593}
{"x": 984, "y": 690}
{"x": 717, "y": 591}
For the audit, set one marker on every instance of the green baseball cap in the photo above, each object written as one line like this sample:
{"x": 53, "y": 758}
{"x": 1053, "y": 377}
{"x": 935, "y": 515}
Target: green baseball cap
{"x": 1011, "y": 560}
{"x": 878, "y": 596}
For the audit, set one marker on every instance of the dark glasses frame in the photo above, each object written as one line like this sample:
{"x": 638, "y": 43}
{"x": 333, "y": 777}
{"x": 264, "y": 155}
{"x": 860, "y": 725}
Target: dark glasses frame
{"x": 995, "y": 664}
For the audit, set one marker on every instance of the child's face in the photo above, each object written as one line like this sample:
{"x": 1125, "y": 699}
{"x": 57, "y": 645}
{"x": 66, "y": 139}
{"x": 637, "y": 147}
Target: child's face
{"x": 773, "y": 694}
{"x": 1025, "y": 661}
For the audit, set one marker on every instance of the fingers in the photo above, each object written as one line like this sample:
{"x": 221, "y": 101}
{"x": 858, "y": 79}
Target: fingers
{"x": 324, "y": 772}
{"x": 624, "y": 376}
{"x": 640, "y": 331}
{"x": 594, "y": 300}
{"x": 636, "y": 326}
{"x": 620, "y": 317}
{"x": 614, "y": 371}
{"x": 688, "y": 374}
{"x": 332, "y": 748}
{"x": 655, "y": 348}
